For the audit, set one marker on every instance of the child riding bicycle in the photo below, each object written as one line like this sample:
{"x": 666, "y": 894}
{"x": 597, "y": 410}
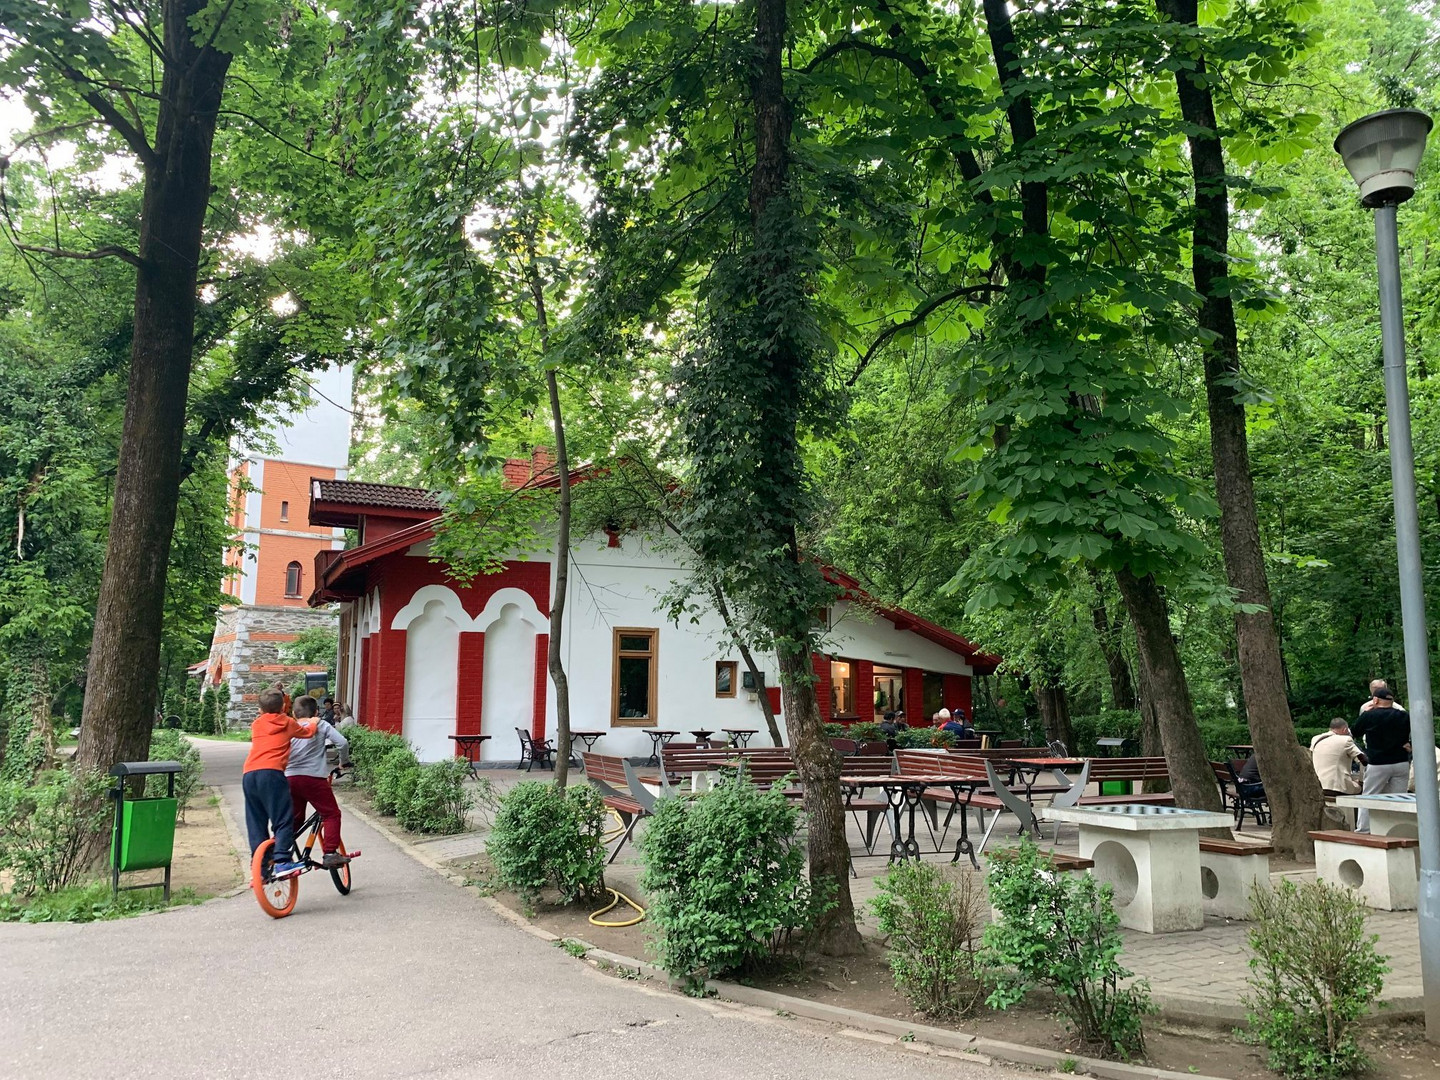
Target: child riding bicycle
{"x": 267, "y": 795}
{"x": 308, "y": 774}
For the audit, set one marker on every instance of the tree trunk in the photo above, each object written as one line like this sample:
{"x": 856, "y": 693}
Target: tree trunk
{"x": 562, "y": 579}
{"x": 1108, "y": 635}
{"x": 1054, "y": 706}
{"x": 125, "y": 649}
{"x": 819, "y": 770}
{"x": 1293, "y": 789}
{"x": 816, "y": 762}
{"x": 1191, "y": 777}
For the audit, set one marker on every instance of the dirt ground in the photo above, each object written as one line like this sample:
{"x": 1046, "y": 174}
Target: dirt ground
{"x": 1398, "y": 1051}
{"x": 204, "y": 860}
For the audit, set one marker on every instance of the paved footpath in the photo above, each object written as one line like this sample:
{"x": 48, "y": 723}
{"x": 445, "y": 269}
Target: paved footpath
{"x": 409, "y": 976}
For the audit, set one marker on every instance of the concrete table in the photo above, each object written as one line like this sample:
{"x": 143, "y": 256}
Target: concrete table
{"x": 1150, "y": 855}
{"x": 1390, "y": 815}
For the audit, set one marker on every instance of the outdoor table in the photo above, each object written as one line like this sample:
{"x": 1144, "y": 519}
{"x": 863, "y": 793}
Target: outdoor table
{"x": 1151, "y": 855}
{"x": 1029, "y": 770}
{"x": 987, "y": 736}
{"x": 907, "y": 793}
{"x": 1390, "y": 815}
{"x": 469, "y": 745}
{"x": 588, "y": 738}
{"x": 1243, "y": 750}
{"x": 658, "y": 738}
{"x": 740, "y": 736}
{"x": 702, "y": 735}
{"x": 1109, "y": 743}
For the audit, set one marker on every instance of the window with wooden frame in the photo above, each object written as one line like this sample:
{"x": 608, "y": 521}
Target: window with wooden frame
{"x": 634, "y": 677}
{"x": 725, "y": 678}
{"x": 842, "y": 688}
{"x": 292, "y": 579}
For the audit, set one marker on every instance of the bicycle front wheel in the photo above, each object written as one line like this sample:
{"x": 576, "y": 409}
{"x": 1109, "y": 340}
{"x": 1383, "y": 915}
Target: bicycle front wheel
{"x": 341, "y": 874}
{"x": 276, "y": 898}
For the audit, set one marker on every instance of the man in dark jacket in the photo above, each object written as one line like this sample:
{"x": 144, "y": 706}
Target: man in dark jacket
{"x": 1386, "y": 730}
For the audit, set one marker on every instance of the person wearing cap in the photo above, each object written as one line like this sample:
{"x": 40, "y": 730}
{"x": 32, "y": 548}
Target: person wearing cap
{"x": 1377, "y": 684}
{"x": 1386, "y": 731}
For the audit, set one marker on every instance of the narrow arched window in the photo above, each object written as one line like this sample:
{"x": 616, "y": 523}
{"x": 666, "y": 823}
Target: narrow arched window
{"x": 292, "y": 579}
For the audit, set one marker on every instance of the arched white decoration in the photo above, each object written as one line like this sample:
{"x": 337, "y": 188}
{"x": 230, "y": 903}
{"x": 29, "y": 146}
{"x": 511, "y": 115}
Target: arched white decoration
{"x": 521, "y": 600}
{"x": 421, "y": 601}
{"x": 508, "y": 686}
{"x": 432, "y": 655}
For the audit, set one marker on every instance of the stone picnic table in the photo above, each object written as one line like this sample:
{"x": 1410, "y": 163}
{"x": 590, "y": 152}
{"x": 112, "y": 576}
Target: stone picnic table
{"x": 1150, "y": 855}
{"x": 1390, "y": 815}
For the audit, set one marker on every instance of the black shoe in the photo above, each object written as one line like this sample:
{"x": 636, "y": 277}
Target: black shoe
{"x": 333, "y": 860}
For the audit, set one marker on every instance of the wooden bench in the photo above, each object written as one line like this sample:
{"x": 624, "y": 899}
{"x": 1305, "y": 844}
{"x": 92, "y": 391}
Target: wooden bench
{"x": 929, "y": 762}
{"x": 1384, "y": 870}
{"x": 1229, "y": 871}
{"x": 610, "y": 777}
{"x": 1134, "y": 770}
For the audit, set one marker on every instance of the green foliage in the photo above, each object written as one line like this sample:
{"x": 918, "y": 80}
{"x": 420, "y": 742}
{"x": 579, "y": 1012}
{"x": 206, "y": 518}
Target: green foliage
{"x": 169, "y": 745}
{"x": 726, "y": 881}
{"x": 91, "y": 902}
{"x": 865, "y": 731}
{"x": 440, "y": 800}
{"x": 924, "y": 738}
{"x": 48, "y": 825}
{"x": 1314, "y": 975}
{"x": 368, "y": 748}
{"x": 1060, "y": 932}
{"x": 931, "y": 918}
{"x": 1113, "y": 723}
{"x": 317, "y": 646}
{"x": 396, "y": 777}
{"x": 543, "y": 837}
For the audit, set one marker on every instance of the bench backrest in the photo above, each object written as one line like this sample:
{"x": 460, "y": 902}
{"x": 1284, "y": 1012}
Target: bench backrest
{"x": 1138, "y": 768}
{"x": 925, "y": 762}
{"x": 866, "y": 766}
{"x": 764, "y": 772}
{"x": 685, "y": 760}
{"x": 873, "y": 749}
{"x": 607, "y": 769}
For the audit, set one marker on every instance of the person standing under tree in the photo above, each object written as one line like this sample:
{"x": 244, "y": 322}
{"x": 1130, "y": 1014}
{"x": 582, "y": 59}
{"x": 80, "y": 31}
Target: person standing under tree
{"x": 1385, "y": 727}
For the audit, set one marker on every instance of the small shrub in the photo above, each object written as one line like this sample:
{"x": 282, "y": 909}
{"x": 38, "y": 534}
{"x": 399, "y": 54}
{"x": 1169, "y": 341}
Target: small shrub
{"x": 1313, "y": 976}
{"x": 865, "y": 731}
{"x": 169, "y": 745}
{"x": 931, "y": 918}
{"x": 368, "y": 748}
{"x": 91, "y": 902}
{"x": 726, "y": 881}
{"x": 48, "y": 826}
{"x": 440, "y": 801}
{"x": 924, "y": 738}
{"x": 543, "y": 836}
{"x": 395, "y": 779}
{"x": 835, "y": 730}
{"x": 1061, "y": 932}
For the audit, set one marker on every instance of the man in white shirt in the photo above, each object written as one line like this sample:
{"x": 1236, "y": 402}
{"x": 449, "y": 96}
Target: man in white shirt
{"x": 1334, "y": 754}
{"x": 1379, "y": 684}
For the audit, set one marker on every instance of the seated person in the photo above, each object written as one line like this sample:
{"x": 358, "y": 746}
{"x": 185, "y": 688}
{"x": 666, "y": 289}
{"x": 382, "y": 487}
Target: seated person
{"x": 889, "y": 726}
{"x": 1338, "y": 762}
{"x": 957, "y": 725}
{"x": 1249, "y": 774}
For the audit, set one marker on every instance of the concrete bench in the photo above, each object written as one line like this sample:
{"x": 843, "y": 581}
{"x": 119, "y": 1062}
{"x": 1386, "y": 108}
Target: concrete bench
{"x": 1384, "y": 870}
{"x": 1229, "y": 871}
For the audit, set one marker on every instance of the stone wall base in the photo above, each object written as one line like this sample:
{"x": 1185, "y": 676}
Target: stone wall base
{"x": 246, "y": 651}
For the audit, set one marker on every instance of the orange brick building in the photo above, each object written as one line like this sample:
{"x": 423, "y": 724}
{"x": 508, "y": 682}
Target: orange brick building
{"x": 273, "y": 544}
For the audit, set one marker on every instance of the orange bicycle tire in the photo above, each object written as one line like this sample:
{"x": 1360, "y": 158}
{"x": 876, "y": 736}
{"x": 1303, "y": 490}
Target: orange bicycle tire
{"x": 276, "y": 898}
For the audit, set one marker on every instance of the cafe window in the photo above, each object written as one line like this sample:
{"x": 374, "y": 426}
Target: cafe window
{"x": 725, "y": 678}
{"x": 633, "y": 679}
{"x": 292, "y": 579}
{"x": 842, "y": 688}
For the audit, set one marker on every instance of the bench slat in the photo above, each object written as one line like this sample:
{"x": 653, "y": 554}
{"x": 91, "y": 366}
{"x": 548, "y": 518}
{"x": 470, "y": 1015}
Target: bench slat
{"x": 1386, "y": 843}
{"x": 1233, "y": 847}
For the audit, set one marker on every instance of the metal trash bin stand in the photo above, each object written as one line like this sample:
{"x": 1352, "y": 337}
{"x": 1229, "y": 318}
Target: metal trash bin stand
{"x": 144, "y": 830}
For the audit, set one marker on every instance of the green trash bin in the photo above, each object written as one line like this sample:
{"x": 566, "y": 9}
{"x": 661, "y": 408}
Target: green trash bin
{"x": 143, "y": 836}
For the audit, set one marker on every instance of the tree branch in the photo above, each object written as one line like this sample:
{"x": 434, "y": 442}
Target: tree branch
{"x": 111, "y": 115}
{"x": 109, "y": 251}
{"x": 921, "y": 313}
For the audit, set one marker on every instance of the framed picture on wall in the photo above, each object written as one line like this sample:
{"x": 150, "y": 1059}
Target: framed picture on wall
{"x": 724, "y": 678}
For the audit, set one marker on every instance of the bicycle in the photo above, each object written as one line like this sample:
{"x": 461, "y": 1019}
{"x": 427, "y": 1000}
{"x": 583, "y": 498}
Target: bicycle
{"x": 277, "y": 896}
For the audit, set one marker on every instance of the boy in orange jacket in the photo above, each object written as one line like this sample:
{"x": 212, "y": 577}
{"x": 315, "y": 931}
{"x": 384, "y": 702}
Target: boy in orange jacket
{"x": 267, "y": 792}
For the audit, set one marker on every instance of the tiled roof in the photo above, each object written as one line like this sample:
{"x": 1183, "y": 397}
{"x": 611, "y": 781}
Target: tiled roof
{"x": 387, "y": 496}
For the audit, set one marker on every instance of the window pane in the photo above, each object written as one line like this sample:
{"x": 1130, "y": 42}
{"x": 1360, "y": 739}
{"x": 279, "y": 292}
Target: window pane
{"x": 633, "y": 698}
{"x": 724, "y": 678}
{"x": 842, "y": 689}
{"x": 634, "y": 642}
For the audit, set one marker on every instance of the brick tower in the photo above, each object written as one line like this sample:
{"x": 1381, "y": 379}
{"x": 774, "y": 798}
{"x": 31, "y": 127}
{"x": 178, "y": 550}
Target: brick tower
{"x": 272, "y": 556}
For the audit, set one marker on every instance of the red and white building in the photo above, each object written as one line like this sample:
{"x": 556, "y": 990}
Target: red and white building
{"x": 427, "y": 657}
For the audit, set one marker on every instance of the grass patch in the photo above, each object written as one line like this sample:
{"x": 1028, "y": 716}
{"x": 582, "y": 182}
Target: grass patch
{"x": 91, "y": 903}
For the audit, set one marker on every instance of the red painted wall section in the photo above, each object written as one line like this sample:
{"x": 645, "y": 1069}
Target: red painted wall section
{"x": 390, "y": 689}
{"x": 468, "y": 697}
{"x": 822, "y": 684}
{"x": 957, "y": 694}
{"x": 865, "y": 690}
{"x": 773, "y": 692}
{"x": 915, "y": 697}
{"x": 542, "y": 677}
{"x": 402, "y": 574}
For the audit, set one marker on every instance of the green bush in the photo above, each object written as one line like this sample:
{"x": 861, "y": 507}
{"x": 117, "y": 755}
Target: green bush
{"x": 543, "y": 836}
{"x": 167, "y": 744}
{"x": 1113, "y": 723}
{"x": 837, "y": 731}
{"x": 48, "y": 826}
{"x": 395, "y": 780}
{"x": 726, "y": 881}
{"x": 368, "y": 748}
{"x": 865, "y": 731}
{"x": 90, "y": 902}
{"x": 440, "y": 800}
{"x": 1060, "y": 931}
{"x": 931, "y": 918}
{"x": 923, "y": 738}
{"x": 1313, "y": 977}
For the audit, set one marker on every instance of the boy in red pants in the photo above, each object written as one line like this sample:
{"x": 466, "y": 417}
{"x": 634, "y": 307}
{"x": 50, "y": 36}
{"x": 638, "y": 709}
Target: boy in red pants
{"x": 267, "y": 796}
{"x": 309, "y": 777}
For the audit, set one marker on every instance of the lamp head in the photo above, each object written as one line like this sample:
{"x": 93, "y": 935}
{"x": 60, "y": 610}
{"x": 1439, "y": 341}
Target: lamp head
{"x": 1382, "y": 152}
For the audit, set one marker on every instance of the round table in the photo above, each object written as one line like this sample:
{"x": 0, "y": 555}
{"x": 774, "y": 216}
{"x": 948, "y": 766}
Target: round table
{"x": 588, "y": 738}
{"x": 658, "y": 738}
{"x": 740, "y": 736}
{"x": 469, "y": 745}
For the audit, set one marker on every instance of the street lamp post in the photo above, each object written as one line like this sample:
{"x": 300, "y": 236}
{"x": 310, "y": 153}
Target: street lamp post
{"x": 1382, "y": 152}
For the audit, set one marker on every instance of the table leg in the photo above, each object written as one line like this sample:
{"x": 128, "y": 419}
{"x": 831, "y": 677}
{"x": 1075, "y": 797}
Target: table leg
{"x": 899, "y": 798}
{"x": 963, "y": 846}
{"x": 654, "y": 750}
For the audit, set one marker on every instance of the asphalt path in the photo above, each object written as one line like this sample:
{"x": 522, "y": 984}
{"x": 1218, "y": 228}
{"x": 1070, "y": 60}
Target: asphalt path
{"x": 409, "y": 976}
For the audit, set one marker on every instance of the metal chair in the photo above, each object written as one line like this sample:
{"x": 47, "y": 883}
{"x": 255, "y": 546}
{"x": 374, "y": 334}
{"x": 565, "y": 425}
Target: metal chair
{"x": 1067, "y": 799}
{"x": 535, "y": 752}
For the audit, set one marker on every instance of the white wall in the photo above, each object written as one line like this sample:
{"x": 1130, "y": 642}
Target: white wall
{"x": 320, "y": 433}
